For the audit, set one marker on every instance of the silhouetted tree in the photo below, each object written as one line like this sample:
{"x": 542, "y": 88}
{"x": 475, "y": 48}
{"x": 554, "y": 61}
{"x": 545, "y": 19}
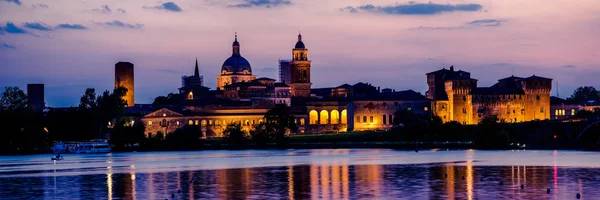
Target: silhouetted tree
{"x": 170, "y": 99}
{"x": 13, "y": 98}
{"x": 185, "y": 138}
{"x": 492, "y": 133}
{"x": 88, "y": 100}
{"x": 585, "y": 93}
{"x": 126, "y": 134}
{"x": 235, "y": 135}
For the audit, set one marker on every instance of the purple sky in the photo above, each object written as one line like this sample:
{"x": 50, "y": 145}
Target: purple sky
{"x": 70, "y": 45}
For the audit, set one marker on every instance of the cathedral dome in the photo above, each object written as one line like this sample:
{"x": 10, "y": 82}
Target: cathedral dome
{"x": 236, "y": 64}
{"x": 299, "y": 44}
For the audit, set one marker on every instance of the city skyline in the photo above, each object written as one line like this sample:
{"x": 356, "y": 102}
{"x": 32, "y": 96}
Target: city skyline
{"x": 384, "y": 43}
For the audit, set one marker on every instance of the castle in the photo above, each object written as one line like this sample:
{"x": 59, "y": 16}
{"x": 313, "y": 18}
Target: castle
{"x": 242, "y": 98}
{"x": 456, "y": 97}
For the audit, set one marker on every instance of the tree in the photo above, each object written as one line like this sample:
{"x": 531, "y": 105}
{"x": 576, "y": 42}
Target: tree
{"x": 281, "y": 121}
{"x": 88, "y": 100}
{"x": 13, "y": 98}
{"x": 585, "y": 93}
{"x": 185, "y": 138}
{"x": 491, "y": 133}
{"x": 235, "y": 135}
{"x": 125, "y": 134}
{"x": 171, "y": 99}
{"x": 411, "y": 125}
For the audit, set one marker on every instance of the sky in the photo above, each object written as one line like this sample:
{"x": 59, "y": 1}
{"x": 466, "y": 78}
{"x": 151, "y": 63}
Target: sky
{"x": 71, "y": 45}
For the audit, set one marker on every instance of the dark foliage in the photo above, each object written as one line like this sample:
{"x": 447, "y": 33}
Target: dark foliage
{"x": 184, "y": 138}
{"x": 585, "y": 93}
{"x": 235, "y": 135}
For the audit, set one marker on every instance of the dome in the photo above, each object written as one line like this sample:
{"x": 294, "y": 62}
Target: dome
{"x": 299, "y": 44}
{"x": 236, "y": 64}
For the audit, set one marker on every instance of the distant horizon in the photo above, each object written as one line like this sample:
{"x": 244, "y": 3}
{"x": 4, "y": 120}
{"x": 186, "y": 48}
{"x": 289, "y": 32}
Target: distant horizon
{"x": 382, "y": 42}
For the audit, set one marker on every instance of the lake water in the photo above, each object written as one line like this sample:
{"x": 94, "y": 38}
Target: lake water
{"x": 305, "y": 174}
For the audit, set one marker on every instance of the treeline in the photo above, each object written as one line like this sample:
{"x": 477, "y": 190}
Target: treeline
{"x": 28, "y": 131}
{"x": 493, "y": 133}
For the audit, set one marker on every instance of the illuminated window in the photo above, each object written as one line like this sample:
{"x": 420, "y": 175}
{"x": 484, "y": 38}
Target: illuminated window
{"x": 210, "y": 122}
{"x": 203, "y": 122}
{"x": 177, "y": 122}
{"x": 312, "y": 117}
{"x": 190, "y": 122}
{"x": 164, "y": 115}
{"x": 260, "y": 121}
{"x": 324, "y": 117}
{"x": 217, "y": 122}
{"x": 409, "y": 108}
{"x": 556, "y": 112}
{"x": 425, "y": 109}
{"x": 335, "y": 117}
{"x": 149, "y": 122}
{"x": 344, "y": 117}
{"x": 196, "y": 122}
{"x": 572, "y": 111}
{"x": 190, "y": 96}
{"x": 302, "y": 121}
{"x": 247, "y": 122}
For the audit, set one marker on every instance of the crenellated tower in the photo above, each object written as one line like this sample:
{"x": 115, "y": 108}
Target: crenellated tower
{"x": 460, "y": 102}
{"x": 537, "y": 97}
{"x": 300, "y": 70}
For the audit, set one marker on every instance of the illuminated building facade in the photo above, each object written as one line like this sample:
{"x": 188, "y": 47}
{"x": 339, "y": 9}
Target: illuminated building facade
{"x": 456, "y": 97}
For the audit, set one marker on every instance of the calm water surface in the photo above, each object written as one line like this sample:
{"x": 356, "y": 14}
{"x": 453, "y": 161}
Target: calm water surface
{"x": 305, "y": 174}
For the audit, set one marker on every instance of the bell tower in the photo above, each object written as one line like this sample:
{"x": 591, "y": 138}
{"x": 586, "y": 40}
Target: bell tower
{"x": 300, "y": 70}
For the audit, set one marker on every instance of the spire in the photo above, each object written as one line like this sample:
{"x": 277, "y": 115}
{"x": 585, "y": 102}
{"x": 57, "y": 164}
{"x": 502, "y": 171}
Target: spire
{"x": 299, "y": 36}
{"x": 236, "y": 46}
{"x": 196, "y": 72}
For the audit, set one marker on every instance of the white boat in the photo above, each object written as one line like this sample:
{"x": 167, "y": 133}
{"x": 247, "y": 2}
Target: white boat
{"x": 81, "y": 147}
{"x": 57, "y": 158}
{"x": 92, "y": 147}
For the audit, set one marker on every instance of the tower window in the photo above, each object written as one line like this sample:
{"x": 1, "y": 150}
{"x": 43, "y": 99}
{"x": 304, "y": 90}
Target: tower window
{"x": 384, "y": 119}
{"x": 464, "y": 110}
{"x": 541, "y": 109}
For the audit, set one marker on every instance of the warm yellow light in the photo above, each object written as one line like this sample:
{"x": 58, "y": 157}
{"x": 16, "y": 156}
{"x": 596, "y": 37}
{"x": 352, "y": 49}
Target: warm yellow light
{"x": 149, "y": 122}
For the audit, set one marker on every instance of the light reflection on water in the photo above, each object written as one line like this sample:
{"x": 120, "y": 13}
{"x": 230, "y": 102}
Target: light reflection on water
{"x": 302, "y": 174}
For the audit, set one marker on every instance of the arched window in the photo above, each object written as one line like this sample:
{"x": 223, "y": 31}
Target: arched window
{"x": 196, "y": 122}
{"x": 203, "y": 122}
{"x": 324, "y": 117}
{"x": 260, "y": 121}
{"x": 190, "y": 122}
{"x": 313, "y": 117}
{"x": 344, "y": 117}
{"x": 335, "y": 117}
{"x": 247, "y": 122}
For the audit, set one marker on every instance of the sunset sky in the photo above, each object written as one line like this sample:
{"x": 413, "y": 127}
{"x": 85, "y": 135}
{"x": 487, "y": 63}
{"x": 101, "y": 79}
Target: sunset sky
{"x": 71, "y": 45}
